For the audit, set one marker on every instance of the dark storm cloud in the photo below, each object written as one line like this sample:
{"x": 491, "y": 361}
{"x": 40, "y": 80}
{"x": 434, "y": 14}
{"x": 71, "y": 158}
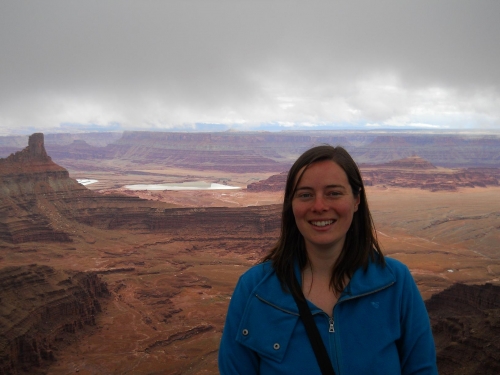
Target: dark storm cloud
{"x": 168, "y": 63}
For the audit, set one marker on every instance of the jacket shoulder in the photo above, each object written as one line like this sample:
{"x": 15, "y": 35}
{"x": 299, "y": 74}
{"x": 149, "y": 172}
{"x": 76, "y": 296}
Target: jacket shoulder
{"x": 254, "y": 275}
{"x": 398, "y": 268}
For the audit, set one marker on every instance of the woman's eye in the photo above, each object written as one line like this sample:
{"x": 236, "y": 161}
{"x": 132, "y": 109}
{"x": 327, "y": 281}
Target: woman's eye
{"x": 334, "y": 193}
{"x": 304, "y": 195}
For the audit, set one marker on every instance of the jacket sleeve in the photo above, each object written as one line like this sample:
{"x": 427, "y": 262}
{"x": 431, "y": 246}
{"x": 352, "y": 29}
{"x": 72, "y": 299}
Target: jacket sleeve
{"x": 234, "y": 358}
{"x": 417, "y": 351}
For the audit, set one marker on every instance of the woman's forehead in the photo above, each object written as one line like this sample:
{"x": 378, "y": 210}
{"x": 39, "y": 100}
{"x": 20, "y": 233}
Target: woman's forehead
{"x": 327, "y": 170}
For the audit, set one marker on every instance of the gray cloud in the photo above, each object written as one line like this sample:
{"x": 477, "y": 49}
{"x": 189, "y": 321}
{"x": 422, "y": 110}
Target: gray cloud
{"x": 168, "y": 63}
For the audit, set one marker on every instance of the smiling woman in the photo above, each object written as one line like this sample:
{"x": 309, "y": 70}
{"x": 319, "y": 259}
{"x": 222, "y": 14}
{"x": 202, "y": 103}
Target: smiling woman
{"x": 323, "y": 207}
{"x": 325, "y": 300}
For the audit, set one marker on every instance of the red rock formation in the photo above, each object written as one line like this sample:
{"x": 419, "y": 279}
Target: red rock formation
{"x": 466, "y": 326}
{"x": 32, "y": 158}
{"x": 418, "y": 173}
{"x": 447, "y": 150}
{"x": 27, "y": 179}
{"x": 274, "y": 183}
{"x": 40, "y": 307}
{"x": 413, "y": 163}
{"x": 38, "y": 199}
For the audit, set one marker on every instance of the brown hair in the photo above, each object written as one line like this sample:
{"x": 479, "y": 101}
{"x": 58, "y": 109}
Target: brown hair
{"x": 361, "y": 243}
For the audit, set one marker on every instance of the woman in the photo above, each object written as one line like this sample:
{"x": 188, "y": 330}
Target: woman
{"x": 368, "y": 311}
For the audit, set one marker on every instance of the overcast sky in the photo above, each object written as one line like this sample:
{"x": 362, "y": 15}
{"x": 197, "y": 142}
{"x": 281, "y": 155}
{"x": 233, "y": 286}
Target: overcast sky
{"x": 78, "y": 65}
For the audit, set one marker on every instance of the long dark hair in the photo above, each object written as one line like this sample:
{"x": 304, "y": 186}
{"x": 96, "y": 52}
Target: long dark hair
{"x": 361, "y": 244}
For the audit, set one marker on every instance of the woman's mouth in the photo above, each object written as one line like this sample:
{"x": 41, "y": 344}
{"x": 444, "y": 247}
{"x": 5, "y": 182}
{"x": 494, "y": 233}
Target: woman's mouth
{"x": 322, "y": 223}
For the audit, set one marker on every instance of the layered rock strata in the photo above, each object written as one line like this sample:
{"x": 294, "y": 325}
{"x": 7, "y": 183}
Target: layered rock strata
{"x": 28, "y": 179}
{"x": 415, "y": 172}
{"x": 263, "y": 151}
{"x": 466, "y": 326}
{"x": 41, "y": 309}
{"x": 38, "y": 201}
{"x": 276, "y": 182}
{"x": 447, "y": 150}
{"x": 412, "y": 172}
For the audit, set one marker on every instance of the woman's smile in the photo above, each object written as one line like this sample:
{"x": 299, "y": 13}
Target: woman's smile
{"x": 322, "y": 223}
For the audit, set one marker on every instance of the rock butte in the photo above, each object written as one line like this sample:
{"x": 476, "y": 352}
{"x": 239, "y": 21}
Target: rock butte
{"x": 108, "y": 282}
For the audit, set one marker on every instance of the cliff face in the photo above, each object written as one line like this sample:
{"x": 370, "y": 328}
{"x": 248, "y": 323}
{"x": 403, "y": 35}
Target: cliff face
{"x": 203, "y": 151}
{"x": 466, "y": 326}
{"x": 214, "y": 220}
{"x": 41, "y": 309}
{"x": 276, "y": 182}
{"x": 440, "y": 149}
{"x": 38, "y": 200}
{"x": 29, "y": 179}
{"x": 417, "y": 172}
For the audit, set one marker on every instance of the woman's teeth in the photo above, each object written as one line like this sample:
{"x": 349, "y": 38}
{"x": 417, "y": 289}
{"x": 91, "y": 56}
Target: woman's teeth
{"x": 321, "y": 223}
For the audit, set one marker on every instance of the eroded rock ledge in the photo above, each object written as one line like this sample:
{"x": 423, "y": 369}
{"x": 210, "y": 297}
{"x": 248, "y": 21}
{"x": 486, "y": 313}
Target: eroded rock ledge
{"x": 38, "y": 202}
{"x": 466, "y": 326}
{"x": 40, "y": 310}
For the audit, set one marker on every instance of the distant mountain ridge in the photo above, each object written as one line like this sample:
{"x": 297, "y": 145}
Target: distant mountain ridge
{"x": 411, "y": 172}
{"x": 265, "y": 151}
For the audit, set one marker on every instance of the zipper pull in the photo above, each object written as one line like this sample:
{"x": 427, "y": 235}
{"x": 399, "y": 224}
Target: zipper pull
{"x": 331, "y": 329}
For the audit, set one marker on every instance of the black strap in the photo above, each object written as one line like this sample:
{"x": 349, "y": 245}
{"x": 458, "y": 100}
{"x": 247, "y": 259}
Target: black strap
{"x": 312, "y": 332}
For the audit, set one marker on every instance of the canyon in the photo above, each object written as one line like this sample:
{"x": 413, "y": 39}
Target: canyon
{"x": 139, "y": 281}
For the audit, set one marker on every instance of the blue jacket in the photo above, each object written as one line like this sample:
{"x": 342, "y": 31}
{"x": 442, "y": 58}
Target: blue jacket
{"x": 379, "y": 326}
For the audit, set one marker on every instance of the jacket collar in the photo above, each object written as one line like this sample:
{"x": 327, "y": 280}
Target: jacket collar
{"x": 375, "y": 278}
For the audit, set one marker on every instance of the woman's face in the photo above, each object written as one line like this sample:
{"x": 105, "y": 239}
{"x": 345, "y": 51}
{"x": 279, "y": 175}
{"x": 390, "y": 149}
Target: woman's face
{"x": 324, "y": 206}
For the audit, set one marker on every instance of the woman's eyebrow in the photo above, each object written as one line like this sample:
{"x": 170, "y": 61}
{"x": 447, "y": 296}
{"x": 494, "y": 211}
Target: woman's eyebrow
{"x": 334, "y": 186}
{"x": 303, "y": 188}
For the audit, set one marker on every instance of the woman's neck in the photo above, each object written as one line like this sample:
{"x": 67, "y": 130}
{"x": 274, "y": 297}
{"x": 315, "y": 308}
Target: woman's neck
{"x": 321, "y": 261}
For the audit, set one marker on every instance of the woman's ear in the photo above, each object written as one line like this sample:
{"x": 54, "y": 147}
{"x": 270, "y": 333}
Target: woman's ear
{"x": 358, "y": 200}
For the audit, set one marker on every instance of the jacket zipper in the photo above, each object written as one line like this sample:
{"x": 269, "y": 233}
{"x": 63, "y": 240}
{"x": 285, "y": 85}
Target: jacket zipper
{"x": 331, "y": 328}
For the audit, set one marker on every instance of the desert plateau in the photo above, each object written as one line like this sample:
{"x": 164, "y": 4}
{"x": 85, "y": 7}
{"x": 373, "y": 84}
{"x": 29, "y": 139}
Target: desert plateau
{"x": 105, "y": 279}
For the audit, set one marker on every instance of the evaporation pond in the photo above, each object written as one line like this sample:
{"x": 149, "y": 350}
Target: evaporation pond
{"x": 193, "y": 185}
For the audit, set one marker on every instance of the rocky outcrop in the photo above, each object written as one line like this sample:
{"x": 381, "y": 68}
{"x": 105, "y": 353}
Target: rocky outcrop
{"x": 41, "y": 309}
{"x": 38, "y": 202}
{"x": 446, "y": 150}
{"x": 179, "y": 336}
{"x": 466, "y": 326}
{"x": 274, "y": 183}
{"x": 28, "y": 179}
{"x": 416, "y": 172}
{"x": 217, "y": 221}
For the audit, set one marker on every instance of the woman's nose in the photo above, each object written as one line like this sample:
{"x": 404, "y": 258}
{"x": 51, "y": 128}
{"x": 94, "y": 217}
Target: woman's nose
{"x": 319, "y": 203}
